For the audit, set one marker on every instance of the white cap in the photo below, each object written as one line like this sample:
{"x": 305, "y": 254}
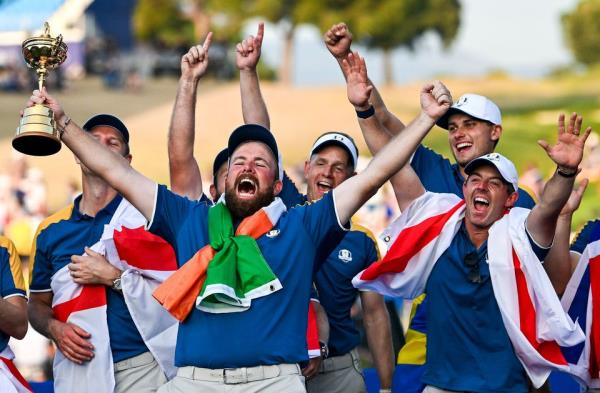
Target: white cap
{"x": 476, "y": 106}
{"x": 339, "y": 139}
{"x": 502, "y": 164}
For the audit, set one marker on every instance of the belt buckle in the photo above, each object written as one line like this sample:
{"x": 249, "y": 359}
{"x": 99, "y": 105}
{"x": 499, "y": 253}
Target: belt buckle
{"x": 243, "y": 378}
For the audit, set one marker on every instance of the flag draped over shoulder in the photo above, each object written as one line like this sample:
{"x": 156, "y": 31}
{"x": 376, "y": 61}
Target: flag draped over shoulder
{"x": 530, "y": 309}
{"x": 11, "y": 380}
{"x": 578, "y": 301}
{"x": 146, "y": 260}
{"x": 225, "y": 275}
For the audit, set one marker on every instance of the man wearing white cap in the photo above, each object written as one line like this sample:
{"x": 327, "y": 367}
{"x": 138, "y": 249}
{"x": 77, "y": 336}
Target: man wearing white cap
{"x": 472, "y": 259}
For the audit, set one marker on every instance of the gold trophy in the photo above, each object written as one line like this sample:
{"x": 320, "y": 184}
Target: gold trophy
{"x": 37, "y": 134}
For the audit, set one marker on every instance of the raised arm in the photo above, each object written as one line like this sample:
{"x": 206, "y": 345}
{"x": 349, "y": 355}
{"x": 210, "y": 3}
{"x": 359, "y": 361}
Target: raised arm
{"x": 113, "y": 168}
{"x": 254, "y": 109}
{"x": 406, "y": 184}
{"x": 183, "y": 168}
{"x": 560, "y": 261}
{"x": 354, "y": 192}
{"x": 338, "y": 40}
{"x": 566, "y": 154}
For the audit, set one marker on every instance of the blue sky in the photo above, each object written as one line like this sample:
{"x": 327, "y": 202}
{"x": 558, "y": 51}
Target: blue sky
{"x": 522, "y": 37}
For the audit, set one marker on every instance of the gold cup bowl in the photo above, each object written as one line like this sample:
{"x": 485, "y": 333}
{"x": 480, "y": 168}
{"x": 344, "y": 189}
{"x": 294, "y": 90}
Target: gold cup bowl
{"x": 37, "y": 134}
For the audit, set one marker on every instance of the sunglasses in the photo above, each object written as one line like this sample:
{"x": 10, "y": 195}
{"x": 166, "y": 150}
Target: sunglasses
{"x": 472, "y": 262}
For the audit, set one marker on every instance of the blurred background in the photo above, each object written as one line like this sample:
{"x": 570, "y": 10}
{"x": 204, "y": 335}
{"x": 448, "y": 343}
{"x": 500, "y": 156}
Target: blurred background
{"x": 535, "y": 58}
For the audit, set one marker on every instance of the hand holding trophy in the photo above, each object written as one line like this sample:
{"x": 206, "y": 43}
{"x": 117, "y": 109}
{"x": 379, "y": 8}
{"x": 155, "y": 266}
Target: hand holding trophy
{"x": 37, "y": 134}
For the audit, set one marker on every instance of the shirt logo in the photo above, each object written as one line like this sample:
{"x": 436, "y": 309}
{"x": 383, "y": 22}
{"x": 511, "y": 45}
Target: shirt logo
{"x": 273, "y": 233}
{"x": 345, "y": 255}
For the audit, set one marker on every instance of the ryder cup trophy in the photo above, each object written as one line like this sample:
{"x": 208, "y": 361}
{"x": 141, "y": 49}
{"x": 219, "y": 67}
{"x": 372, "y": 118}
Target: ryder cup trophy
{"x": 37, "y": 134}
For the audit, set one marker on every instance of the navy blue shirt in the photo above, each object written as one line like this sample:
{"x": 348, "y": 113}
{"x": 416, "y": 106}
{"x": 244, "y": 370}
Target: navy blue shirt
{"x": 590, "y": 233}
{"x": 438, "y": 174}
{"x": 11, "y": 277}
{"x": 357, "y": 251}
{"x": 273, "y": 330}
{"x": 65, "y": 234}
{"x": 468, "y": 348}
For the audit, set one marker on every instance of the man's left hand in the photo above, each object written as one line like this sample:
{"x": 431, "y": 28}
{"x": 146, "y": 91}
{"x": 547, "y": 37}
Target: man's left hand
{"x": 92, "y": 268}
{"x": 567, "y": 153}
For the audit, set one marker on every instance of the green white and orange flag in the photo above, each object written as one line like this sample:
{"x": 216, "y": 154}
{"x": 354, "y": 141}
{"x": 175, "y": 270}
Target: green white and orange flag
{"x": 225, "y": 275}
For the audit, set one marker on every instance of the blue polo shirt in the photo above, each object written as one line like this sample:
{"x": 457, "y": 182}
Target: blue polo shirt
{"x": 357, "y": 251}
{"x": 11, "y": 277}
{"x": 590, "y": 233}
{"x": 438, "y": 174}
{"x": 468, "y": 348}
{"x": 273, "y": 330}
{"x": 65, "y": 234}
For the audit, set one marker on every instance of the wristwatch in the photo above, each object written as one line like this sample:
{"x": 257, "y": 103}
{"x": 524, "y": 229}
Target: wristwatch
{"x": 117, "y": 284}
{"x": 324, "y": 350}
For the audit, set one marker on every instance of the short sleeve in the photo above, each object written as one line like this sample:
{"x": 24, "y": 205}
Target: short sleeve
{"x": 589, "y": 233}
{"x": 525, "y": 200}
{"x": 424, "y": 159}
{"x": 321, "y": 222}
{"x": 290, "y": 195}
{"x": 40, "y": 270}
{"x": 170, "y": 213}
{"x": 11, "y": 275}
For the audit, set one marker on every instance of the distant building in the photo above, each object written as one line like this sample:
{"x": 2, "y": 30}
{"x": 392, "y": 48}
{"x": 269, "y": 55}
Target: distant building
{"x": 77, "y": 21}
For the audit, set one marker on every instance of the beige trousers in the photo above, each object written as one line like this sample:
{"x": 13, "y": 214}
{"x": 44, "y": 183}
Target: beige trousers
{"x": 139, "y": 374}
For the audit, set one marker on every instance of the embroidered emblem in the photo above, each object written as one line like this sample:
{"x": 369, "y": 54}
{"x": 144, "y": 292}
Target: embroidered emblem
{"x": 273, "y": 233}
{"x": 345, "y": 255}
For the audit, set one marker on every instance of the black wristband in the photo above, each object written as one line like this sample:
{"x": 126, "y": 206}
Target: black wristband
{"x": 366, "y": 114}
{"x": 566, "y": 174}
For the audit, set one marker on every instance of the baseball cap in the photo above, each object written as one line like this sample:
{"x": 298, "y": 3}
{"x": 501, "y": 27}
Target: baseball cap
{"x": 220, "y": 159}
{"x": 337, "y": 139}
{"x": 104, "y": 119}
{"x": 502, "y": 164}
{"x": 255, "y": 133}
{"x": 474, "y": 105}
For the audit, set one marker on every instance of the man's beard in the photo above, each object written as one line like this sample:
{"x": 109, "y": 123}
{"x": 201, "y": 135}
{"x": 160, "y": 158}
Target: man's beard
{"x": 241, "y": 208}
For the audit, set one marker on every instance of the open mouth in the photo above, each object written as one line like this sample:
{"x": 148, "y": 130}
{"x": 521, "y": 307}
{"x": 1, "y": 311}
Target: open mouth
{"x": 462, "y": 146}
{"x": 324, "y": 186}
{"x": 246, "y": 187}
{"x": 481, "y": 204}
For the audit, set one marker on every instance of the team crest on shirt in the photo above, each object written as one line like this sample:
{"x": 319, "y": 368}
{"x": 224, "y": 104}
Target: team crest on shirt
{"x": 273, "y": 233}
{"x": 345, "y": 255}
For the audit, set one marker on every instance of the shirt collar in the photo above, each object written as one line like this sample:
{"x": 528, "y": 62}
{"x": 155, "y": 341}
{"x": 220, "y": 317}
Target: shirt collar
{"x": 109, "y": 209}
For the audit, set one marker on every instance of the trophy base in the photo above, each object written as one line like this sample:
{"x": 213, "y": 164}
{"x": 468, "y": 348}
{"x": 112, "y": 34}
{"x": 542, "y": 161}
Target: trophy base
{"x": 37, "y": 144}
{"x": 37, "y": 134}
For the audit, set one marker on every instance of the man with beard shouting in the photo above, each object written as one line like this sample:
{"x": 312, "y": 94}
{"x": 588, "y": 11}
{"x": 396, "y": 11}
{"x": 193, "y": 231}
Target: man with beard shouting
{"x": 250, "y": 332}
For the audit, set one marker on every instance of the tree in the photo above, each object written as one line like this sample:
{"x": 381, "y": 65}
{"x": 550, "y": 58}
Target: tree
{"x": 322, "y": 13}
{"x": 388, "y": 24}
{"x": 582, "y": 31}
{"x": 161, "y": 21}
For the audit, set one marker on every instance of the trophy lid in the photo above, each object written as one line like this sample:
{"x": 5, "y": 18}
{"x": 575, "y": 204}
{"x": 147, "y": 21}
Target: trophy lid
{"x": 44, "y": 50}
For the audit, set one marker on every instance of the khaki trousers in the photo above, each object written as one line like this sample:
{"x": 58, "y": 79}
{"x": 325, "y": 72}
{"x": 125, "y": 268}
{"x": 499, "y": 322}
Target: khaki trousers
{"x": 338, "y": 374}
{"x": 139, "y": 374}
{"x": 268, "y": 379}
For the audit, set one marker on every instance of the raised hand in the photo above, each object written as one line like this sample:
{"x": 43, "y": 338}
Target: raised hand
{"x": 43, "y": 98}
{"x": 195, "y": 62}
{"x": 72, "y": 341}
{"x": 575, "y": 198}
{"x": 567, "y": 153}
{"x": 435, "y": 99}
{"x": 338, "y": 39}
{"x": 357, "y": 81}
{"x": 248, "y": 51}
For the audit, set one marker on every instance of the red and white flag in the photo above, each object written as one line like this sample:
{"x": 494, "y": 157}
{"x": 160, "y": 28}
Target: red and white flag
{"x": 578, "y": 301}
{"x": 146, "y": 260}
{"x": 11, "y": 380}
{"x": 530, "y": 309}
